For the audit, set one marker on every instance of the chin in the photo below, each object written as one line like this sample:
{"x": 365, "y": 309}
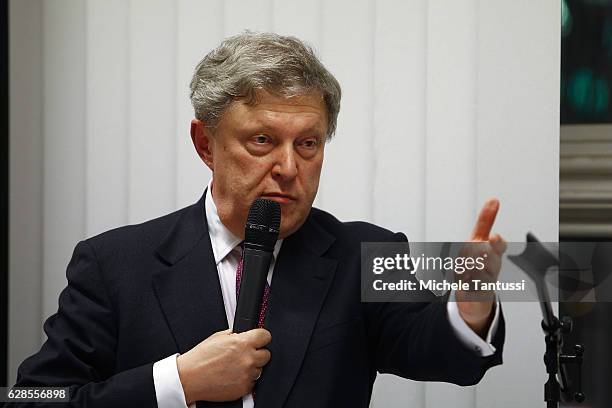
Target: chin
{"x": 285, "y": 231}
{"x": 293, "y": 226}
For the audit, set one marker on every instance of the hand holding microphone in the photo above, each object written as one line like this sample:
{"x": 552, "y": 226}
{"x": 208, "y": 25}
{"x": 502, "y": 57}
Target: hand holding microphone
{"x": 223, "y": 367}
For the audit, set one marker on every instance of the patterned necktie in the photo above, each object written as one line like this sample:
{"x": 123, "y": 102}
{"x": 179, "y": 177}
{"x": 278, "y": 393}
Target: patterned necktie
{"x": 266, "y": 295}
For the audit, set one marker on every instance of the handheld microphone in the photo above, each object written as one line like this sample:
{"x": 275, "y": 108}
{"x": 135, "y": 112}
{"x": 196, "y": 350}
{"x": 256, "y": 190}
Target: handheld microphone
{"x": 260, "y": 235}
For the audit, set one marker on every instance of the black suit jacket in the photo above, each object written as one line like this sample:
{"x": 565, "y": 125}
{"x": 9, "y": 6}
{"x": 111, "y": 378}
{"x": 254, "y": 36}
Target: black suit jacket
{"x": 140, "y": 293}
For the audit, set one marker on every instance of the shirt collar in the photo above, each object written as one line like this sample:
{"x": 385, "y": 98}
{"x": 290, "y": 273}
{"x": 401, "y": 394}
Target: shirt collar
{"x": 222, "y": 240}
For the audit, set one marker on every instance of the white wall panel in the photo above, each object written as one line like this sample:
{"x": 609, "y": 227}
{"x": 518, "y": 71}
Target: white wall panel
{"x": 450, "y": 168}
{"x": 152, "y": 109}
{"x": 397, "y": 162}
{"x": 518, "y": 160}
{"x": 518, "y": 105}
{"x": 298, "y": 18}
{"x": 199, "y": 29}
{"x": 254, "y": 15}
{"x": 64, "y": 33}
{"x": 347, "y": 50}
{"x": 106, "y": 132}
{"x": 391, "y": 391}
{"x": 450, "y": 142}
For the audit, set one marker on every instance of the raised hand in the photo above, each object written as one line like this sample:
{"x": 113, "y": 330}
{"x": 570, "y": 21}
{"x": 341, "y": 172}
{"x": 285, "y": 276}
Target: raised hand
{"x": 478, "y": 312}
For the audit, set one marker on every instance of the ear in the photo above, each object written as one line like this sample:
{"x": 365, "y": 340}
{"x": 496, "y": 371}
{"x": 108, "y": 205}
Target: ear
{"x": 203, "y": 141}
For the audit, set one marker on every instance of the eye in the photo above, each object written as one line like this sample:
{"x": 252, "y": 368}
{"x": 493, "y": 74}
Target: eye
{"x": 311, "y": 143}
{"x": 261, "y": 139}
{"x": 260, "y": 144}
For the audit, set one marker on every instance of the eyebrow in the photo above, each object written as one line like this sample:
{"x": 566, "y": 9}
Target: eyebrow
{"x": 258, "y": 126}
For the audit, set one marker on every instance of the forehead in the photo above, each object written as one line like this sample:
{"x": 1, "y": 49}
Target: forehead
{"x": 300, "y": 112}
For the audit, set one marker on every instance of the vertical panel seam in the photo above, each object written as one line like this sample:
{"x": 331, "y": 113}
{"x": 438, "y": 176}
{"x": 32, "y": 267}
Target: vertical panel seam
{"x": 476, "y": 137}
{"x": 425, "y": 8}
{"x": 126, "y": 116}
{"x": 223, "y": 9}
{"x": 177, "y": 101}
{"x": 373, "y": 106}
{"x": 319, "y": 26}
{"x": 173, "y": 135}
{"x": 320, "y": 52}
{"x": 128, "y": 139}
{"x": 43, "y": 184}
{"x": 477, "y": 150}
{"x": 425, "y": 190}
{"x": 6, "y": 185}
{"x": 474, "y": 128}
{"x": 84, "y": 131}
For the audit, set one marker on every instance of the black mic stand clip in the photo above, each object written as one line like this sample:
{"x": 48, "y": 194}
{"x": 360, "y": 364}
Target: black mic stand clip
{"x": 556, "y": 363}
{"x": 535, "y": 261}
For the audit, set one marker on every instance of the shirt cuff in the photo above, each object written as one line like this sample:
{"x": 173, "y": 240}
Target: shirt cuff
{"x": 467, "y": 336}
{"x": 168, "y": 388}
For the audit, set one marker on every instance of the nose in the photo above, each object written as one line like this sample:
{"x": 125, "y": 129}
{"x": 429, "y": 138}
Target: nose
{"x": 285, "y": 166}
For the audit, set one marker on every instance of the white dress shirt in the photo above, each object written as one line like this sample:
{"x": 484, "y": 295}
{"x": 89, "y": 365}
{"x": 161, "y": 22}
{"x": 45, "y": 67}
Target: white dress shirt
{"x": 227, "y": 253}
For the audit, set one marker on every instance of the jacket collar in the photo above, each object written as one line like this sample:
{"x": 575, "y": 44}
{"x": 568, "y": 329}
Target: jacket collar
{"x": 187, "y": 232}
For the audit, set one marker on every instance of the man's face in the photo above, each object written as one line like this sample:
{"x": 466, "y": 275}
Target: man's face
{"x": 273, "y": 149}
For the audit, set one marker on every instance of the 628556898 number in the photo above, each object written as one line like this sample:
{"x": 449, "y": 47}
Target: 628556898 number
{"x": 34, "y": 394}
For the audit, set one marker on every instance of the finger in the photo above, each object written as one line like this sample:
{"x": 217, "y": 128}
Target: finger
{"x": 257, "y": 338}
{"x": 221, "y": 333}
{"x": 498, "y": 244}
{"x": 262, "y": 357}
{"x": 485, "y": 220}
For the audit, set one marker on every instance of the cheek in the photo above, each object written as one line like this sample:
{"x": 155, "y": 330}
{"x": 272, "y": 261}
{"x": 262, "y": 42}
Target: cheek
{"x": 244, "y": 172}
{"x": 311, "y": 177}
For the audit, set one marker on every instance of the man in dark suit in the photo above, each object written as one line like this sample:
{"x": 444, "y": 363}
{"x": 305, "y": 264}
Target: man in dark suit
{"x": 144, "y": 319}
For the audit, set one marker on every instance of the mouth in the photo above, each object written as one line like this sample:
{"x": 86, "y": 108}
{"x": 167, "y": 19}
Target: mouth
{"x": 279, "y": 197}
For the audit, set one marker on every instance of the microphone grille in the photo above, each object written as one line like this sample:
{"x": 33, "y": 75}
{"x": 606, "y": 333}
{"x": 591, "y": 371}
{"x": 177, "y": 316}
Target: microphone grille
{"x": 263, "y": 224}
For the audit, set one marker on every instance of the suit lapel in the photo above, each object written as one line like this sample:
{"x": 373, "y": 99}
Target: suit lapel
{"x": 188, "y": 287}
{"x": 301, "y": 280}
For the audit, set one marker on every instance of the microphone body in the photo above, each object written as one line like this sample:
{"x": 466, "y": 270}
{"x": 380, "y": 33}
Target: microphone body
{"x": 254, "y": 273}
{"x": 261, "y": 232}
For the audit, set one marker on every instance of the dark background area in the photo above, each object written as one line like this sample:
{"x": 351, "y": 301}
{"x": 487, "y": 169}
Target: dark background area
{"x": 4, "y": 147}
{"x": 592, "y": 329}
{"x": 586, "y": 98}
{"x": 586, "y": 61}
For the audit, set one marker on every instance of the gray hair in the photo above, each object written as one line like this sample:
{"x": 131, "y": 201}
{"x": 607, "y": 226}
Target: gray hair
{"x": 246, "y": 62}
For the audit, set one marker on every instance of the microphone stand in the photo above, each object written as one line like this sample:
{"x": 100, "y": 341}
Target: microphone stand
{"x": 534, "y": 261}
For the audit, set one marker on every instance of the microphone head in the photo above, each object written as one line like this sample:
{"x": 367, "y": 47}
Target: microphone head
{"x": 263, "y": 225}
